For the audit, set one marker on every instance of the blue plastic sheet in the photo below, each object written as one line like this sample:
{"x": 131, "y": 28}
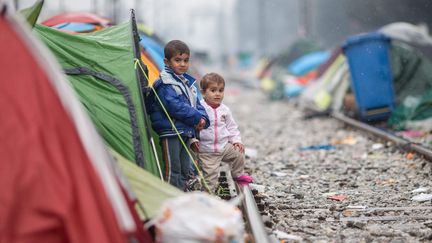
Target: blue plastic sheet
{"x": 308, "y": 62}
{"x": 318, "y": 147}
{"x": 76, "y": 27}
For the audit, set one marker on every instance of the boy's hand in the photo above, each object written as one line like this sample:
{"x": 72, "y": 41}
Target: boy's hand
{"x": 240, "y": 147}
{"x": 195, "y": 147}
{"x": 200, "y": 125}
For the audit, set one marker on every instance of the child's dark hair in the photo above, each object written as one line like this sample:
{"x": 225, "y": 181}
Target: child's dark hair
{"x": 210, "y": 78}
{"x": 175, "y": 47}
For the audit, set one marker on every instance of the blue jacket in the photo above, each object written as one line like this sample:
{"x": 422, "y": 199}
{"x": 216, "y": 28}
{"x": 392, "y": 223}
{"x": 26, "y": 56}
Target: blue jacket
{"x": 179, "y": 99}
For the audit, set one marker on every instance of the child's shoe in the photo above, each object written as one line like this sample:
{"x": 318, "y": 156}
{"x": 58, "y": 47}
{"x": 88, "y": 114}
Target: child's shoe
{"x": 243, "y": 180}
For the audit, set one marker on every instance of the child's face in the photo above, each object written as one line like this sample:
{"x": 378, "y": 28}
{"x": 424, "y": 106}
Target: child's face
{"x": 178, "y": 63}
{"x": 214, "y": 93}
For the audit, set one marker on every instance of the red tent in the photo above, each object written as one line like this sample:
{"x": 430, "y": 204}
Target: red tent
{"x": 77, "y": 17}
{"x": 57, "y": 181}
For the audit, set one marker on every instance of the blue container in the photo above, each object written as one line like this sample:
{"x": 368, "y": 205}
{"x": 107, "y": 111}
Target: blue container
{"x": 371, "y": 76}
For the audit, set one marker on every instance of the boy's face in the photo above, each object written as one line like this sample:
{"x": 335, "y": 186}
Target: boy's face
{"x": 214, "y": 93}
{"x": 179, "y": 63}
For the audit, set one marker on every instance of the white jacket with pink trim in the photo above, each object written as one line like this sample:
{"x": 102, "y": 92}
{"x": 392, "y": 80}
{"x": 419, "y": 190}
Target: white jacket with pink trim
{"x": 222, "y": 130}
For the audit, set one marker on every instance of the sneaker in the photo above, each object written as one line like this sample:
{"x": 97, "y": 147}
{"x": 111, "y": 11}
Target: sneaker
{"x": 192, "y": 184}
{"x": 243, "y": 180}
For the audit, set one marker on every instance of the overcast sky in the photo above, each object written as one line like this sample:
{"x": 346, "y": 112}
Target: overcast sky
{"x": 197, "y": 22}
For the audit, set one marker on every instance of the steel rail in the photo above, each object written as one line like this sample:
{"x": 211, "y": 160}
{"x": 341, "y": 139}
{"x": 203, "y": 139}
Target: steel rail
{"x": 401, "y": 142}
{"x": 253, "y": 220}
{"x": 251, "y": 211}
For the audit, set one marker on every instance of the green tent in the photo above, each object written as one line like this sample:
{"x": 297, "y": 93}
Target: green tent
{"x": 412, "y": 83}
{"x": 102, "y": 68}
{"x": 31, "y": 13}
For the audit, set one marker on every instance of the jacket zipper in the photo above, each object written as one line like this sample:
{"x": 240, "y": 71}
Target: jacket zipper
{"x": 215, "y": 130}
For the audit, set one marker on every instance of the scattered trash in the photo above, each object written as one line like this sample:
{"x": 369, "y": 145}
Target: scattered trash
{"x": 409, "y": 156}
{"x": 350, "y": 140}
{"x": 420, "y": 189}
{"x": 302, "y": 177}
{"x": 411, "y": 134}
{"x": 196, "y": 216}
{"x": 285, "y": 236}
{"x": 318, "y": 147}
{"x": 356, "y": 207}
{"x": 378, "y": 156}
{"x": 339, "y": 197}
{"x": 250, "y": 153}
{"x": 329, "y": 194}
{"x": 422, "y": 197}
{"x": 350, "y": 213}
{"x": 377, "y": 146}
{"x": 278, "y": 174}
{"x": 353, "y": 210}
{"x": 360, "y": 155}
{"x": 388, "y": 182}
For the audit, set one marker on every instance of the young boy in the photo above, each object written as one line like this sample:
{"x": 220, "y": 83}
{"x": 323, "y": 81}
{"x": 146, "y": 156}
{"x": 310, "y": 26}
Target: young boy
{"x": 179, "y": 97}
{"x": 222, "y": 140}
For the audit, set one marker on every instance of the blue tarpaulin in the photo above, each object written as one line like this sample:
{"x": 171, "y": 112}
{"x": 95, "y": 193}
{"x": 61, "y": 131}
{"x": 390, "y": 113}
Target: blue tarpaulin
{"x": 308, "y": 62}
{"x": 76, "y": 27}
{"x": 154, "y": 49}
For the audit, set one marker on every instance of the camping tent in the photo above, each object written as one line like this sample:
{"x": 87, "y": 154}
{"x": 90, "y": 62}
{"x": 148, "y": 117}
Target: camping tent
{"x": 77, "y": 27}
{"x": 78, "y": 17}
{"x": 104, "y": 69}
{"x": 57, "y": 180}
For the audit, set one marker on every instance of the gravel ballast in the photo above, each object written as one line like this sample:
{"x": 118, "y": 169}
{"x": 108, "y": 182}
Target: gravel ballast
{"x": 356, "y": 188}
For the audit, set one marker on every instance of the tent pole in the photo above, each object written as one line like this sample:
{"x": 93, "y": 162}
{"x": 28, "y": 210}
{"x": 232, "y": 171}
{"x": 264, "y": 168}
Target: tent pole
{"x": 156, "y": 156}
{"x": 142, "y": 80}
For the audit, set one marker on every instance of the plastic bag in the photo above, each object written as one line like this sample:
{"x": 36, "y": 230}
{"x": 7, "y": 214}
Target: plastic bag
{"x": 199, "y": 217}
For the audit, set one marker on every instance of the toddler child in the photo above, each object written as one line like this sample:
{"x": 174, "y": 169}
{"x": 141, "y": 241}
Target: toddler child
{"x": 221, "y": 141}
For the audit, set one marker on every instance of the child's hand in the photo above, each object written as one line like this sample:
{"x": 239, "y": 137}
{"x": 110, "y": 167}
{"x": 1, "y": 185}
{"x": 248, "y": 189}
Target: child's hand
{"x": 240, "y": 147}
{"x": 200, "y": 125}
{"x": 195, "y": 147}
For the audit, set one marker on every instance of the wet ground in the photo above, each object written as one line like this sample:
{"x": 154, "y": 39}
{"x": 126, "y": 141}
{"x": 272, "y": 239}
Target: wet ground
{"x": 344, "y": 186}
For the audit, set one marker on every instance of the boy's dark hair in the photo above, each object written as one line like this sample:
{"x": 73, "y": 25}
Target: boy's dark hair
{"x": 175, "y": 47}
{"x": 210, "y": 78}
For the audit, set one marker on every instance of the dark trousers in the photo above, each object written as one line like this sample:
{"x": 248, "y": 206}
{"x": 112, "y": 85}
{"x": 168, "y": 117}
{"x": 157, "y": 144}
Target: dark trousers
{"x": 177, "y": 161}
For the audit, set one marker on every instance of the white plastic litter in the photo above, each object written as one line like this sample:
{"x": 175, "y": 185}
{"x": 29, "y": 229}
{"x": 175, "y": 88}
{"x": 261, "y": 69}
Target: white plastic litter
{"x": 420, "y": 189}
{"x": 377, "y": 146}
{"x": 356, "y": 207}
{"x": 285, "y": 236}
{"x": 199, "y": 217}
{"x": 422, "y": 197}
{"x": 278, "y": 174}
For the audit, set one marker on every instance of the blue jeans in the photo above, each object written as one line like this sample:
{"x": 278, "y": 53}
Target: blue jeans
{"x": 177, "y": 161}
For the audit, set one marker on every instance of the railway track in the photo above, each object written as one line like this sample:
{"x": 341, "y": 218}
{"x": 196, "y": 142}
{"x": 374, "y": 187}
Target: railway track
{"x": 254, "y": 225}
{"x": 377, "y": 183}
{"x": 400, "y": 142}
